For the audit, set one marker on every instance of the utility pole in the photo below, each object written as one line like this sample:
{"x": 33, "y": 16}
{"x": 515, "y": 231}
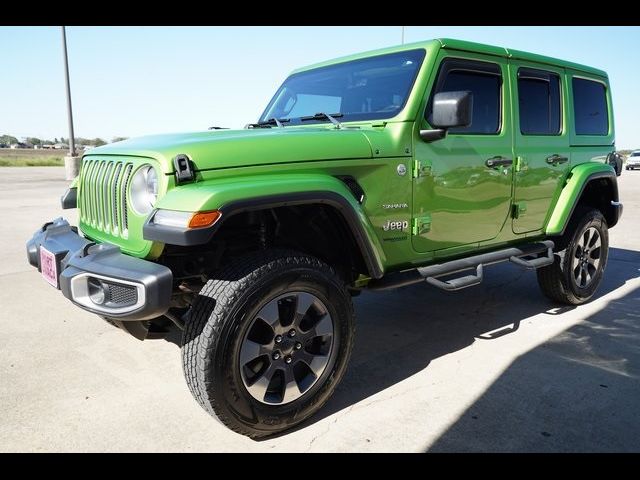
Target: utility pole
{"x": 402, "y": 35}
{"x": 71, "y": 162}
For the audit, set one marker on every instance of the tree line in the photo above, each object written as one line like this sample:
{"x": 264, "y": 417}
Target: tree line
{"x": 95, "y": 142}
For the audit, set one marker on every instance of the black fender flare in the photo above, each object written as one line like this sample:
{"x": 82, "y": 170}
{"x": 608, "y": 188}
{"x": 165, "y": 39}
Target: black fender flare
{"x": 200, "y": 236}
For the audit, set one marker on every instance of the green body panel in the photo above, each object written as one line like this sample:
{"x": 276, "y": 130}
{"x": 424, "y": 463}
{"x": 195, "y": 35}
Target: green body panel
{"x": 571, "y": 192}
{"x": 252, "y": 147}
{"x": 423, "y": 201}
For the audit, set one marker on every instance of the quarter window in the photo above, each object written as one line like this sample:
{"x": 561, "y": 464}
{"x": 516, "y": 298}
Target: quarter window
{"x": 539, "y": 101}
{"x": 484, "y": 81}
{"x": 590, "y": 107}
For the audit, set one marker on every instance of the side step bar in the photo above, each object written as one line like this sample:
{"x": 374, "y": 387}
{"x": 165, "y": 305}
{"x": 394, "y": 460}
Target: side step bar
{"x": 430, "y": 274}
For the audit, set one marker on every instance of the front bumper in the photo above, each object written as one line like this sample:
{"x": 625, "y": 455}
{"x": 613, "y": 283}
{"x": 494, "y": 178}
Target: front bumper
{"x": 134, "y": 289}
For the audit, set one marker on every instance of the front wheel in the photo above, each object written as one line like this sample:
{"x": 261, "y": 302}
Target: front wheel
{"x": 577, "y": 271}
{"x": 267, "y": 341}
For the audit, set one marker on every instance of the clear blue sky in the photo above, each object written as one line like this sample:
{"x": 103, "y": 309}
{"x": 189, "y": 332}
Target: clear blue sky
{"x": 132, "y": 81}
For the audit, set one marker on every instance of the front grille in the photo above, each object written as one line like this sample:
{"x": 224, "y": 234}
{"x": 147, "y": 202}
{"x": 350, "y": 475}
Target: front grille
{"x": 103, "y": 195}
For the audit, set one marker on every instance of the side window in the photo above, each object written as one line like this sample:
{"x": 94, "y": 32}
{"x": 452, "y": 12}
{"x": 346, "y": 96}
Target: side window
{"x": 539, "y": 101}
{"x": 484, "y": 81}
{"x": 590, "y": 107}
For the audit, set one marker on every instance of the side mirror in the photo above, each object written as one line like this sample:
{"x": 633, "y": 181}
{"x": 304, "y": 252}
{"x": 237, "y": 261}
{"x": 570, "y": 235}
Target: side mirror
{"x": 450, "y": 110}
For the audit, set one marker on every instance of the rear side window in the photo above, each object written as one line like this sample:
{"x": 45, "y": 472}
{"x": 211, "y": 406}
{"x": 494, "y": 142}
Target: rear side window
{"x": 539, "y": 101}
{"x": 590, "y": 107}
{"x": 484, "y": 81}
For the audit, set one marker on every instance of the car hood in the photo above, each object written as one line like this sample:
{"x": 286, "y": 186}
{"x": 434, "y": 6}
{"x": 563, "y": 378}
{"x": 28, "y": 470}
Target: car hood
{"x": 216, "y": 149}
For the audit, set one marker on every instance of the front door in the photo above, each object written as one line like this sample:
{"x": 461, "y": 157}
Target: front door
{"x": 462, "y": 183}
{"x": 541, "y": 142}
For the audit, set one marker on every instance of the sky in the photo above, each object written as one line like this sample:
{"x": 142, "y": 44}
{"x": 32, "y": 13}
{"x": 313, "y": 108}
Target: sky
{"x": 132, "y": 81}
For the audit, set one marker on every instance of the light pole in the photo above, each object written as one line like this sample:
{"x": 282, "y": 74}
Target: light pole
{"x": 402, "y": 35}
{"x": 72, "y": 161}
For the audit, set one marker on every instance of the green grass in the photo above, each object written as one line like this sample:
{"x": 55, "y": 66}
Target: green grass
{"x": 31, "y": 161}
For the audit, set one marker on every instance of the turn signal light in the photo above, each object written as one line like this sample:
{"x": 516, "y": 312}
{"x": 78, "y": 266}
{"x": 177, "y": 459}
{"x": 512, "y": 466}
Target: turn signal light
{"x": 204, "y": 219}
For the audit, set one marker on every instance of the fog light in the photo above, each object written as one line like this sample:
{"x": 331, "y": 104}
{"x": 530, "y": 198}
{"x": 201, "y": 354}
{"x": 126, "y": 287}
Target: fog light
{"x": 97, "y": 291}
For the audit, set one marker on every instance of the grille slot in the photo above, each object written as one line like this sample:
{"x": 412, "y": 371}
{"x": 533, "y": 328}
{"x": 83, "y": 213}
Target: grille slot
{"x": 103, "y": 195}
{"x": 121, "y": 295}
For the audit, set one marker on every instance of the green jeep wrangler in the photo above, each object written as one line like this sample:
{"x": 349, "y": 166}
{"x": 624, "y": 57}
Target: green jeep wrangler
{"x": 419, "y": 163}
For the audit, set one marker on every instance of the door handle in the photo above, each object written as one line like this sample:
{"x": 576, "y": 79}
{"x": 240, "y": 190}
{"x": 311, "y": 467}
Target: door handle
{"x": 556, "y": 159}
{"x": 498, "y": 161}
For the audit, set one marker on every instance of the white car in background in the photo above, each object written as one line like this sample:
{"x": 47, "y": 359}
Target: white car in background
{"x": 633, "y": 160}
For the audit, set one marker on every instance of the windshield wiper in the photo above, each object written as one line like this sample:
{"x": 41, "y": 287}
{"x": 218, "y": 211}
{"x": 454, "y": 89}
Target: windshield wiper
{"x": 269, "y": 123}
{"x": 324, "y": 116}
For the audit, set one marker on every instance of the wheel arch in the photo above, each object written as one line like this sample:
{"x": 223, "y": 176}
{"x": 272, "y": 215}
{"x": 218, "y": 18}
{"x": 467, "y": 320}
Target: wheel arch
{"x": 592, "y": 184}
{"x": 337, "y": 203}
{"x": 234, "y": 198}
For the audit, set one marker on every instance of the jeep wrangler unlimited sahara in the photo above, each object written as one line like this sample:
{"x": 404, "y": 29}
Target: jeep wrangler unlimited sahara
{"x": 420, "y": 163}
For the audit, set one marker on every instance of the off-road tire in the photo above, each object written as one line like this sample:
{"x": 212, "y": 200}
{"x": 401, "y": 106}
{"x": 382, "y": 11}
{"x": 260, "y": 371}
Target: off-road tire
{"x": 557, "y": 280}
{"x": 219, "y": 319}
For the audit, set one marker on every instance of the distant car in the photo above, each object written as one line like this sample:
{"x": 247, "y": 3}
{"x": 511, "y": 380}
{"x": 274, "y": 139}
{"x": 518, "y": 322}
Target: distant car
{"x": 633, "y": 160}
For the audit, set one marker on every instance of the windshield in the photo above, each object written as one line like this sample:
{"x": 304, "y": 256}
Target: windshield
{"x": 365, "y": 89}
{"x": 635, "y": 154}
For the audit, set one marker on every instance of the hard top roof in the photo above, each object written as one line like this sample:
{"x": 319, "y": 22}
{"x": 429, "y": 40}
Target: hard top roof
{"x": 463, "y": 45}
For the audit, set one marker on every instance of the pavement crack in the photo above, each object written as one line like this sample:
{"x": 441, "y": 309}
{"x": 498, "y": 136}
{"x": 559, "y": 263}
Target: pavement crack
{"x": 329, "y": 425}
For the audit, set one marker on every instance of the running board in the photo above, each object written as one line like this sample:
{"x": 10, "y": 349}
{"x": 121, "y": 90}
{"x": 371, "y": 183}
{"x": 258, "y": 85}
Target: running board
{"x": 431, "y": 273}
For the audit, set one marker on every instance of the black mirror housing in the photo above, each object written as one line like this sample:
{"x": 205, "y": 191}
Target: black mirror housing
{"x": 452, "y": 109}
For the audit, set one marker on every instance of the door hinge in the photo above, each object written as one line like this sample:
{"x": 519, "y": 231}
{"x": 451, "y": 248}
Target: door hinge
{"x": 520, "y": 164}
{"x": 518, "y": 209}
{"x": 421, "y": 169}
{"x": 421, "y": 225}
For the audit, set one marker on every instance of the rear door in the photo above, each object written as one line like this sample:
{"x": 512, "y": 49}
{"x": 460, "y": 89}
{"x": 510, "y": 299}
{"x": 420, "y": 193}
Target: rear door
{"x": 541, "y": 142}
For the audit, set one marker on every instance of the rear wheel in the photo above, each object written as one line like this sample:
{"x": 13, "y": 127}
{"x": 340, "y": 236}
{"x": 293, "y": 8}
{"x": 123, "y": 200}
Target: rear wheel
{"x": 580, "y": 260}
{"x": 267, "y": 341}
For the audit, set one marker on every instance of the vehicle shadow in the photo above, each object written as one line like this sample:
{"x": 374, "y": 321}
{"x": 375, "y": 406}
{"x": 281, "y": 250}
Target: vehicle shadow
{"x": 400, "y": 332}
{"x": 577, "y": 392}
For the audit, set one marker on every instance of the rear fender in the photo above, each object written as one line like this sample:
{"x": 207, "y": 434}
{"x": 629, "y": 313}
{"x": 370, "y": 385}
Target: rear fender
{"x": 577, "y": 181}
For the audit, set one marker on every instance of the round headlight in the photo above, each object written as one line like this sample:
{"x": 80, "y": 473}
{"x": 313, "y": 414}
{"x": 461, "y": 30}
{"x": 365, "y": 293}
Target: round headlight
{"x": 144, "y": 190}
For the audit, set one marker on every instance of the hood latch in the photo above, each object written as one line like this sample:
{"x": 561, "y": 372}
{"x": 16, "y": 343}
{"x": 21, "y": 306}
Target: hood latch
{"x": 184, "y": 169}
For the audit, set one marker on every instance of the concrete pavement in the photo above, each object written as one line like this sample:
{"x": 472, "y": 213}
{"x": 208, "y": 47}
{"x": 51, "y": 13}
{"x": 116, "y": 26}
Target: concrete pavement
{"x": 492, "y": 368}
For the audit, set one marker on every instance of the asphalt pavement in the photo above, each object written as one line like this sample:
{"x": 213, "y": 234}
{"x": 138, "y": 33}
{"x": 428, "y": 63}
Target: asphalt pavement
{"x": 497, "y": 367}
